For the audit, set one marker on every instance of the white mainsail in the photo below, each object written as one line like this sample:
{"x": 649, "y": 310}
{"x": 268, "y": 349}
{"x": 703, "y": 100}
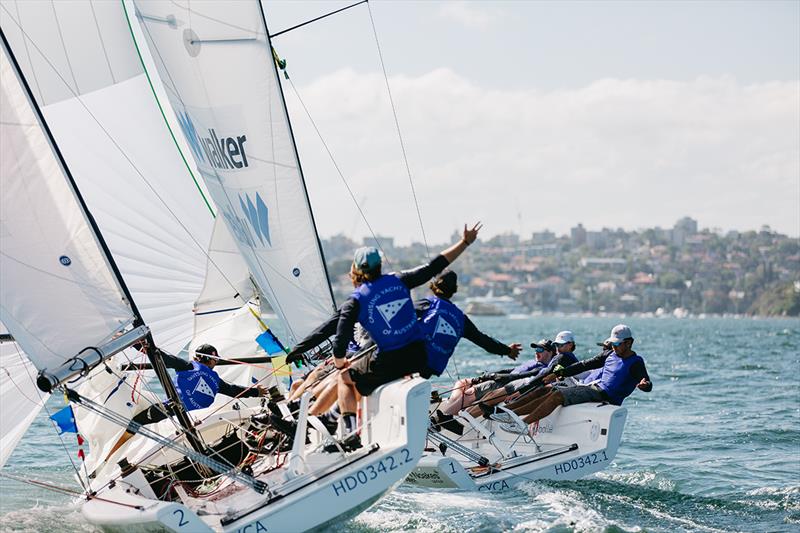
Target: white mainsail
{"x": 48, "y": 249}
{"x": 234, "y": 119}
{"x": 85, "y": 72}
{"x": 20, "y": 399}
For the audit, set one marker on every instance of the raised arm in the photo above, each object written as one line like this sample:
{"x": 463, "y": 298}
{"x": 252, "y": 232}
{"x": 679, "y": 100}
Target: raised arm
{"x": 421, "y": 274}
{"x": 467, "y": 238}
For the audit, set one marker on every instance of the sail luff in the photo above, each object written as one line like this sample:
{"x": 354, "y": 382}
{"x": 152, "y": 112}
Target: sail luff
{"x": 297, "y": 159}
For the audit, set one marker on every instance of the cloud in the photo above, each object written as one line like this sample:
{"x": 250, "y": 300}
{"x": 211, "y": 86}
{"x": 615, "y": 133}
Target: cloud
{"x": 616, "y": 153}
{"x": 468, "y": 15}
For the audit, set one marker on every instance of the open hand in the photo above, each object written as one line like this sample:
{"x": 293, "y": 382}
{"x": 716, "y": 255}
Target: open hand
{"x": 515, "y": 349}
{"x": 470, "y": 235}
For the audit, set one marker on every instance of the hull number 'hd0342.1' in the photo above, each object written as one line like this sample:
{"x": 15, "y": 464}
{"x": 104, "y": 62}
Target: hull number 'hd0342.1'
{"x": 370, "y": 472}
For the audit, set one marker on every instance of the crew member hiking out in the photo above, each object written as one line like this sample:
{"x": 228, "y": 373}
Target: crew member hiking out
{"x": 621, "y": 371}
{"x": 197, "y": 384}
{"x": 382, "y": 304}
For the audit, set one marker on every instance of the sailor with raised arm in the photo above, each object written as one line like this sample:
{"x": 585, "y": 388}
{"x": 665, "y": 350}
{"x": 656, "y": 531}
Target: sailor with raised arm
{"x": 382, "y": 305}
{"x": 197, "y": 384}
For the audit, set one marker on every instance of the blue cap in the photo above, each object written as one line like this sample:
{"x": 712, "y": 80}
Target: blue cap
{"x": 367, "y": 258}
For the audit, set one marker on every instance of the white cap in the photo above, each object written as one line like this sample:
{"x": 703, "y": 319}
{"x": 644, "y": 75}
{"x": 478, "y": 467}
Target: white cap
{"x": 564, "y": 337}
{"x": 620, "y": 332}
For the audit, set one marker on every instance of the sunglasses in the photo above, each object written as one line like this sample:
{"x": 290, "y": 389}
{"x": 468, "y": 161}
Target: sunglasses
{"x": 618, "y": 343}
{"x": 540, "y": 350}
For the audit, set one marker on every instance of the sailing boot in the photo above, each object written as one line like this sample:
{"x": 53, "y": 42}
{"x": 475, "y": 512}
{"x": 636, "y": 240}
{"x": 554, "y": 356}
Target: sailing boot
{"x": 353, "y": 442}
{"x": 441, "y": 420}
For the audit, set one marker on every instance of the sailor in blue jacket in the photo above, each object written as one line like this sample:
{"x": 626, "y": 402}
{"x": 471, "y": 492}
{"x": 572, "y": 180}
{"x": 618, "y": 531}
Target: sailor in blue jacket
{"x": 444, "y": 324}
{"x": 382, "y": 304}
{"x": 622, "y": 371}
{"x": 197, "y": 384}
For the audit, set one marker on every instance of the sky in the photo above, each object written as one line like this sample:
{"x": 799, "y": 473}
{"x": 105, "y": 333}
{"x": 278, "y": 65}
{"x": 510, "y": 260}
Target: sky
{"x": 540, "y": 115}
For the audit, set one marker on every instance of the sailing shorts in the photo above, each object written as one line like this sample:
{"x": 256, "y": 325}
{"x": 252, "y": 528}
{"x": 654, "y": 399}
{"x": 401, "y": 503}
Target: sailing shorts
{"x": 482, "y": 389}
{"x": 374, "y": 370}
{"x": 582, "y": 394}
{"x": 153, "y": 414}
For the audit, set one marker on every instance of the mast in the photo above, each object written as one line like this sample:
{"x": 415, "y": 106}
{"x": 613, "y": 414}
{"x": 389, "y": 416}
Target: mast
{"x": 297, "y": 157}
{"x": 49, "y": 380}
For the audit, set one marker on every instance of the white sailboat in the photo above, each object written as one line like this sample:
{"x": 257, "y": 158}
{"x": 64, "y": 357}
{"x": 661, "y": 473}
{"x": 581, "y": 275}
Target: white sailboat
{"x": 494, "y": 456}
{"x": 109, "y": 237}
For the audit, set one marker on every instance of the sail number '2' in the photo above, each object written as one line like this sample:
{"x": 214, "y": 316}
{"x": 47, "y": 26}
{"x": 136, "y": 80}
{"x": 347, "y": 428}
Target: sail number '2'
{"x": 370, "y": 472}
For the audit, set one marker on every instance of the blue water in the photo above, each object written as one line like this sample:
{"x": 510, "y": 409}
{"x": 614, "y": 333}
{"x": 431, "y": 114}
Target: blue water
{"x": 714, "y": 447}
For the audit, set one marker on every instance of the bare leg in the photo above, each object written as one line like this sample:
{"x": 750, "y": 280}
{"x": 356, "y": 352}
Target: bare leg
{"x": 546, "y": 405}
{"x": 311, "y": 380}
{"x": 325, "y": 399}
{"x": 522, "y": 404}
{"x": 347, "y": 395}
{"x": 456, "y": 402}
{"x": 492, "y": 398}
{"x": 323, "y": 385}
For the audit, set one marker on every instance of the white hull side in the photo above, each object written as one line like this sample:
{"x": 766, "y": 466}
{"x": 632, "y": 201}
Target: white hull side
{"x": 573, "y": 442}
{"x": 338, "y": 488}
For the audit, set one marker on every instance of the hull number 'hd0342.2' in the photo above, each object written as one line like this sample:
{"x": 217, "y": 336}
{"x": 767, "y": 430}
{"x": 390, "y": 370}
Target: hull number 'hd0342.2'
{"x": 370, "y": 472}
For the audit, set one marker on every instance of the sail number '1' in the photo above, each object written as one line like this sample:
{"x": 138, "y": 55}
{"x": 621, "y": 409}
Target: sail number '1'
{"x": 370, "y": 472}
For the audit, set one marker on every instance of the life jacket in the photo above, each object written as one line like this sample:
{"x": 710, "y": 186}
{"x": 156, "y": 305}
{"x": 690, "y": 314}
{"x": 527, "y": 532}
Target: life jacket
{"x": 592, "y": 376}
{"x": 386, "y": 312}
{"x": 442, "y": 326}
{"x": 529, "y": 366}
{"x": 616, "y": 379}
{"x": 197, "y": 387}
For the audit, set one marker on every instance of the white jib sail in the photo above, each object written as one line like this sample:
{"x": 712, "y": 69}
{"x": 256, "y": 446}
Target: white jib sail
{"x": 57, "y": 294}
{"x": 20, "y": 399}
{"x": 216, "y": 65}
{"x": 87, "y": 76}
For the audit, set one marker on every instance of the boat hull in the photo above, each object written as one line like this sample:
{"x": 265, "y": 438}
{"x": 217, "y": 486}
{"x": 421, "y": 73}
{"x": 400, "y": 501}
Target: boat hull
{"x": 573, "y": 442}
{"x": 332, "y": 487}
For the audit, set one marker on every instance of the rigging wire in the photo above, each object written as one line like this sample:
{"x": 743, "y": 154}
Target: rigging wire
{"x": 399, "y": 133}
{"x": 49, "y": 415}
{"x": 336, "y": 166}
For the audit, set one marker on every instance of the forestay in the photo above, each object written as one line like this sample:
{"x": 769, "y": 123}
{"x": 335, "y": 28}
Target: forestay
{"x": 217, "y": 67}
{"x": 85, "y": 72}
{"x": 59, "y": 294}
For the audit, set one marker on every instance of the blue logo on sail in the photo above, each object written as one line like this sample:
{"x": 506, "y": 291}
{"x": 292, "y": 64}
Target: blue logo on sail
{"x": 191, "y": 135}
{"x": 257, "y": 215}
{"x": 219, "y": 152}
